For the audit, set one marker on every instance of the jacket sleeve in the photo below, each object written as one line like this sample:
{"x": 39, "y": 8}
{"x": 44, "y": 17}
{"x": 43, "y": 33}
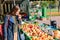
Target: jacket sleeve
{"x": 5, "y": 27}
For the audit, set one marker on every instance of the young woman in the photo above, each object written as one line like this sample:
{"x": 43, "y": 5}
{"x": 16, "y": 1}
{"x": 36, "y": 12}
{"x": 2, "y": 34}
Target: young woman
{"x": 11, "y": 24}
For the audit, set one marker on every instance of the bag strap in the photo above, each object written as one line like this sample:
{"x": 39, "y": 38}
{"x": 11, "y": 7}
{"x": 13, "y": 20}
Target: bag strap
{"x": 8, "y": 17}
{"x": 8, "y": 20}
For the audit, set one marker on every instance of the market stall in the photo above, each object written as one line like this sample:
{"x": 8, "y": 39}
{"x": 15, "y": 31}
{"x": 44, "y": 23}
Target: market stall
{"x": 35, "y": 31}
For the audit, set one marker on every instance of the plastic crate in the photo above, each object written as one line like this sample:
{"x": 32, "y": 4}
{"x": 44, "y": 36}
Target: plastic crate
{"x": 26, "y": 36}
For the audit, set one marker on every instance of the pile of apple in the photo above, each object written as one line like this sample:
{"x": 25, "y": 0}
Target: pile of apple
{"x": 35, "y": 32}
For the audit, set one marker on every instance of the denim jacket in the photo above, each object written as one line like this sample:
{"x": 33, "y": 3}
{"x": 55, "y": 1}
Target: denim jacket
{"x": 9, "y": 28}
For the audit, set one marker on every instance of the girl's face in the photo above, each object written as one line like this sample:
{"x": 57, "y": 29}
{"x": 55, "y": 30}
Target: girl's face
{"x": 17, "y": 13}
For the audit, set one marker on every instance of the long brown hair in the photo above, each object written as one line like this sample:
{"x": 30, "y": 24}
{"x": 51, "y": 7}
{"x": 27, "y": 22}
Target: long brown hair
{"x": 14, "y": 10}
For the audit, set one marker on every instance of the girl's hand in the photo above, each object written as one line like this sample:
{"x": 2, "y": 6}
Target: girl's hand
{"x": 19, "y": 17}
{"x": 18, "y": 25}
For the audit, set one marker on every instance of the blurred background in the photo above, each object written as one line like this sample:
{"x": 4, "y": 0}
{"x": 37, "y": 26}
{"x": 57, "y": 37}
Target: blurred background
{"x": 27, "y": 6}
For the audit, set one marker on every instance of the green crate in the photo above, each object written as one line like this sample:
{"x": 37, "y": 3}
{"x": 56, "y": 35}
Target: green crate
{"x": 56, "y": 39}
{"x": 26, "y": 36}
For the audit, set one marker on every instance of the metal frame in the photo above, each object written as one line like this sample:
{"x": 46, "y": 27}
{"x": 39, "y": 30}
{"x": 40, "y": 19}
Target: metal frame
{"x": 10, "y": 4}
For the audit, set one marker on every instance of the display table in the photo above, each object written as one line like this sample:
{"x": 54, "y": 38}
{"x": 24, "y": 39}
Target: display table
{"x": 33, "y": 32}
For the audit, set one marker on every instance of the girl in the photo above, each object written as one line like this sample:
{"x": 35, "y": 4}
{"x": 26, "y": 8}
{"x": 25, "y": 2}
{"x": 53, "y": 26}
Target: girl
{"x": 10, "y": 24}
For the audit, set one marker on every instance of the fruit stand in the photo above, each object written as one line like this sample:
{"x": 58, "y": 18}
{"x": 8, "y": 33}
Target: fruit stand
{"x": 34, "y": 32}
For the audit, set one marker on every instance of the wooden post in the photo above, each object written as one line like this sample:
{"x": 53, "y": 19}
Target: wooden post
{"x": 8, "y": 7}
{"x": 2, "y": 9}
{"x": 5, "y": 8}
{"x": 12, "y": 5}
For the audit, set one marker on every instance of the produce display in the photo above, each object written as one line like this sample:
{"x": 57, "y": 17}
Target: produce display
{"x": 35, "y": 32}
{"x": 57, "y": 34}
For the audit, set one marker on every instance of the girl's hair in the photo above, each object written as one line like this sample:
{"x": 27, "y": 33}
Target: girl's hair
{"x": 14, "y": 10}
